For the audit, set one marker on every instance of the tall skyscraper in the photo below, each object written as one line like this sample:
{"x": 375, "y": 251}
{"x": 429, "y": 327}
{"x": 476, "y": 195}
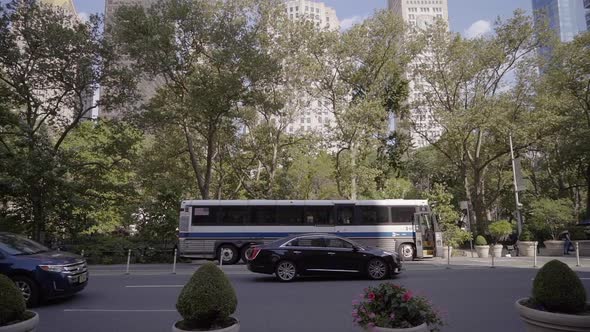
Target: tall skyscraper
{"x": 312, "y": 114}
{"x": 566, "y": 17}
{"x": 420, "y": 14}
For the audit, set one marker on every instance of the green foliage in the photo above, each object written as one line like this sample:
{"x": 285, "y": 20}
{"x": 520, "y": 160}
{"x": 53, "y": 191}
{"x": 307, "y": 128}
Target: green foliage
{"x": 550, "y": 216}
{"x": 500, "y": 230}
{"x": 559, "y": 289}
{"x": 526, "y": 235}
{"x": 392, "y": 306}
{"x": 12, "y": 303}
{"x": 447, "y": 215}
{"x": 480, "y": 241}
{"x": 208, "y": 299}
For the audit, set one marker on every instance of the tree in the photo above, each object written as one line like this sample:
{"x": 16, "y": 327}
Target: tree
{"x": 50, "y": 66}
{"x": 550, "y": 216}
{"x": 447, "y": 215}
{"x": 214, "y": 58}
{"x": 479, "y": 91}
{"x": 566, "y": 92}
{"x": 360, "y": 75}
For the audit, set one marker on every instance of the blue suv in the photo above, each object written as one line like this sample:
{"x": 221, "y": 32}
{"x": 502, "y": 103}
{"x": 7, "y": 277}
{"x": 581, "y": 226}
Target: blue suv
{"x": 39, "y": 272}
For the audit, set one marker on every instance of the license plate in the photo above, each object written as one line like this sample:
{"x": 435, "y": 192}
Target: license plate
{"x": 83, "y": 277}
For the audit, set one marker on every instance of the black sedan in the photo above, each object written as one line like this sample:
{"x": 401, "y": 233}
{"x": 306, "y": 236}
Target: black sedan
{"x": 316, "y": 254}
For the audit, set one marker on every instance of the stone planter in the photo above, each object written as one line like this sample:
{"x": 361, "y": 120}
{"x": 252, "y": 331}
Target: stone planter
{"x": 482, "y": 251}
{"x": 29, "y": 325}
{"x": 233, "y": 328}
{"x": 497, "y": 250}
{"x": 543, "y": 321}
{"x": 446, "y": 251}
{"x": 553, "y": 247}
{"x": 421, "y": 328}
{"x": 527, "y": 248}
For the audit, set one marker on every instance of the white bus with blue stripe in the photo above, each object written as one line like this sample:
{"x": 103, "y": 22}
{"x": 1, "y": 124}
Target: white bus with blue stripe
{"x": 213, "y": 229}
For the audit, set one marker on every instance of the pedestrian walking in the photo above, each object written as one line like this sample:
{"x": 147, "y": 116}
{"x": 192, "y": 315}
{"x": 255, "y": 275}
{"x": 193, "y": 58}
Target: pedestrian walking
{"x": 567, "y": 244}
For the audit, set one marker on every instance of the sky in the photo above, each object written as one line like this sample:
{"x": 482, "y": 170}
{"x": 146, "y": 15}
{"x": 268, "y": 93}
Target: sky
{"x": 469, "y": 17}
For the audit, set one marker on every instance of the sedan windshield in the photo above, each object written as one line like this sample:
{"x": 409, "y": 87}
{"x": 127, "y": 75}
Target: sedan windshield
{"x": 18, "y": 245}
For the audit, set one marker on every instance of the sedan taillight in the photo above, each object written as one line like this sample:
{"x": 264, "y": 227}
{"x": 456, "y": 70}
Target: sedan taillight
{"x": 252, "y": 253}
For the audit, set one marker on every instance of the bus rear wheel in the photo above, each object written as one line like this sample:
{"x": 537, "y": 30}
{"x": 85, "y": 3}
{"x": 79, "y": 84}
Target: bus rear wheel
{"x": 407, "y": 251}
{"x": 228, "y": 254}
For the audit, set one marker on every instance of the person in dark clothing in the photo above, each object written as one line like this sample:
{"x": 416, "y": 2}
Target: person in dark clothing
{"x": 567, "y": 245}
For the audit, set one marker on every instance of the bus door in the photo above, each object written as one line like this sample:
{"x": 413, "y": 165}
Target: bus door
{"x": 425, "y": 237}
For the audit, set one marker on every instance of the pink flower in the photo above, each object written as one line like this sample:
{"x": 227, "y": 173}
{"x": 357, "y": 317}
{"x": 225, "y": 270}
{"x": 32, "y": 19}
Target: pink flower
{"x": 372, "y": 315}
{"x": 355, "y": 313}
{"x": 371, "y": 296}
{"x": 392, "y": 316}
{"x": 407, "y": 296}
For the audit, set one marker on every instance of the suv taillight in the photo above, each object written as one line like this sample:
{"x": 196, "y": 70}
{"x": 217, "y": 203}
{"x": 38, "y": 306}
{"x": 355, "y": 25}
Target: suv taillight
{"x": 252, "y": 253}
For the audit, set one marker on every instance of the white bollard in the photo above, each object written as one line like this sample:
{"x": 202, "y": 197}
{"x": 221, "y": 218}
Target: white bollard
{"x": 128, "y": 261}
{"x": 174, "y": 263}
{"x": 82, "y": 254}
{"x": 578, "y": 253}
{"x": 220, "y": 258}
{"x": 535, "y": 255}
{"x": 493, "y": 262}
{"x": 449, "y": 257}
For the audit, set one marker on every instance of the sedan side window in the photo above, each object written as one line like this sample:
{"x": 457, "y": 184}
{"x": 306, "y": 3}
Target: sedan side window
{"x": 310, "y": 242}
{"x": 338, "y": 243}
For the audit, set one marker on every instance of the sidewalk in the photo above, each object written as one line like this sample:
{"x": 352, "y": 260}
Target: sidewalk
{"x": 511, "y": 262}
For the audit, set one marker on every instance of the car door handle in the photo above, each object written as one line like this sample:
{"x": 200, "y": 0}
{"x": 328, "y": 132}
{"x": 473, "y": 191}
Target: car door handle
{"x": 296, "y": 252}
{"x": 331, "y": 253}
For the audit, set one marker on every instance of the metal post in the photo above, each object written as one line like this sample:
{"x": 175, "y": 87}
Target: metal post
{"x": 493, "y": 262}
{"x": 128, "y": 261}
{"x": 577, "y": 253}
{"x": 535, "y": 255}
{"x": 220, "y": 258}
{"x": 82, "y": 254}
{"x": 174, "y": 263}
{"x": 518, "y": 221}
{"x": 448, "y": 257}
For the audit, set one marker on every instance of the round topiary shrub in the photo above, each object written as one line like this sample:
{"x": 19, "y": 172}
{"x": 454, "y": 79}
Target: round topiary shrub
{"x": 12, "y": 304}
{"x": 480, "y": 241}
{"x": 500, "y": 230}
{"x": 558, "y": 289}
{"x": 207, "y": 300}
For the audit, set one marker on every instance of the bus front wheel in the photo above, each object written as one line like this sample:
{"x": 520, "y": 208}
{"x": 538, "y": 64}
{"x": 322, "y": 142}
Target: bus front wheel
{"x": 228, "y": 254}
{"x": 407, "y": 251}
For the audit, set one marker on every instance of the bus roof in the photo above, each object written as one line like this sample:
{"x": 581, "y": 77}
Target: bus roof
{"x": 383, "y": 202}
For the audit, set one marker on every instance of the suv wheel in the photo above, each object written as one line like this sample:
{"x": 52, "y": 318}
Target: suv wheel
{"x": 29, "y": 289}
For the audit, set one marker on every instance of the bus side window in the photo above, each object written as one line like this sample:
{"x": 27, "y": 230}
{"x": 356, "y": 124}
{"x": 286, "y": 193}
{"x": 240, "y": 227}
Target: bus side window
{"x": 204, "y": 215}
{"x": 318, "y": 215}
{"x": 402, "y": 215}
{"x": 289, "y": 215}
{"x": 374, "y": 215}
{"x": 262, "y": 215}
{"x": 234, "y": 215}
{"x": 345, "y": 215}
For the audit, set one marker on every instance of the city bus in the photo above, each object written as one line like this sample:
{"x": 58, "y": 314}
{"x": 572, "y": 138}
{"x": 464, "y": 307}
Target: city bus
{"x": 225, "y": 230}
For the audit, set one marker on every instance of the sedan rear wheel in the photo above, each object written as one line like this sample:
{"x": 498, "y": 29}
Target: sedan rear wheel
{"x": 377, "y": 269}
{"x": 286, "y": 271}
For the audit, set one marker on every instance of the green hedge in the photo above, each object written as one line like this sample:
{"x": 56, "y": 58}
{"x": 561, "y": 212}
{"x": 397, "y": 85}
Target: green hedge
{"x": 558, "y": 289}
{"x": 12, "y": 303}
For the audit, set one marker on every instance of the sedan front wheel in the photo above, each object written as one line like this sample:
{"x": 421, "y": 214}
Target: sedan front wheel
{"x": 286, "y": 271}
{"x": 377, "y": 269}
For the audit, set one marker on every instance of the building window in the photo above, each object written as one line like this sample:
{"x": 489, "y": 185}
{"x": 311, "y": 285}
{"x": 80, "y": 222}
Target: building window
{"x": 411, "y": 16}
{"x": 291, "y": 9}
{"x": 306, "y": 8}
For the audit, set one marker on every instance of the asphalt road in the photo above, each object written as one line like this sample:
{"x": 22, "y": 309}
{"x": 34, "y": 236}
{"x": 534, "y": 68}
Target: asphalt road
{"x": 471, "y": 299}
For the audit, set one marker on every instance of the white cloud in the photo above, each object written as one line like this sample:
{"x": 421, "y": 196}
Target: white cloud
{"x": 348, "y": 23}
{"x": 84, "y": 16}
{"x": 478, "y": 29}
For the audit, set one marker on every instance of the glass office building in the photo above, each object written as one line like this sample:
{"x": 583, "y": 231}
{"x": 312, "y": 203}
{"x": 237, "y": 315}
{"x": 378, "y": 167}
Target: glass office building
{"x": 566, "y": 17}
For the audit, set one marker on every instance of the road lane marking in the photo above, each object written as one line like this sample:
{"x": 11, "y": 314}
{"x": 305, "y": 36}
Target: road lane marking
{"x": 154, "y": 286}
{"x": 119, "y": 310}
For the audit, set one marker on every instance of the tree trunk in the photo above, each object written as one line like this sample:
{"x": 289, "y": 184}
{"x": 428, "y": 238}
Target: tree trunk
{"x": 588, "y": 192}
{"x": 353, "y": 183}
{"x": 479, "y": 207}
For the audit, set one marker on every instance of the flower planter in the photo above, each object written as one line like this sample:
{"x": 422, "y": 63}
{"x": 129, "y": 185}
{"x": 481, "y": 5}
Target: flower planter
{"x": 29, "y": 325}
{"x": 233, "y": 328}
{"x": 526, "y": 248}
{"x": 497, "y": 250}
{"x": 553, "y": 248}
{"x": 421, "y": 328}
{"x": 482, "y": 251}
{"x": 543, "y": 321}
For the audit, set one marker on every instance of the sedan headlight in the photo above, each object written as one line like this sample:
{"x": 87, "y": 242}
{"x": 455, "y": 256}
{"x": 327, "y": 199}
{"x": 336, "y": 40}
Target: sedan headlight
{"x": 52, "y": 268}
